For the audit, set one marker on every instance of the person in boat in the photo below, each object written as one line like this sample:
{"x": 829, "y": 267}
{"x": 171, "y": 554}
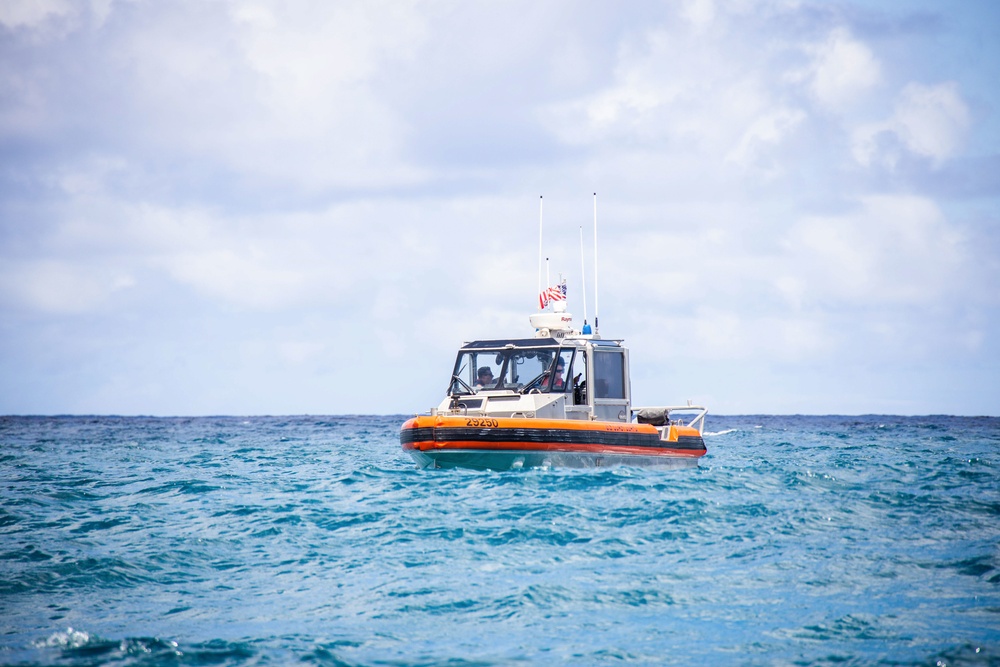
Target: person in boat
{"x": 484, "y": 377}
{"x": 558, "y": 383}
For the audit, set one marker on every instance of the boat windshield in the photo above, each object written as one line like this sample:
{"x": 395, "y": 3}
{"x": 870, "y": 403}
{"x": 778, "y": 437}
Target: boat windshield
{"x": 516, "y": 369}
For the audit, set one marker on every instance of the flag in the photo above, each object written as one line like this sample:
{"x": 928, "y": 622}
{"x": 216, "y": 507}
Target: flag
{"x": 558, "y": 293}
{"x": 554, "y": 293}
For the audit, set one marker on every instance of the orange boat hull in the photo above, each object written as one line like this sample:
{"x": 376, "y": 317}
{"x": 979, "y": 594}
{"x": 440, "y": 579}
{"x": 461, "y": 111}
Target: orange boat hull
{"x": 441, "y": 441}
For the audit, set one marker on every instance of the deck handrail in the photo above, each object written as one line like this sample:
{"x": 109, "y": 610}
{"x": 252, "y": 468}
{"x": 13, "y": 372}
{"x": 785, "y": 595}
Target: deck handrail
{"x": 698, "y": 422}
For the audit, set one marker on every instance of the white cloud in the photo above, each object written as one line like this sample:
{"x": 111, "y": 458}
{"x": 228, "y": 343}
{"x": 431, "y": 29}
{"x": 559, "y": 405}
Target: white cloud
{"x": 808, "y": 291}
{"x": 61, "y": 287}
{"x": 928, "y": 121}
{"x": 300, "y": 351}
{"x": 271, "y": 261}
{"x": 248, "y": 277}
{"x": 769, "y": 129}
{"x": 893, "y": 249}
{"x": 285, "y": 94}
{"x": 719, "y": 96}
{"x": 303, "y": 53}
{"x": 48, "y": 19}
{"x": 671, "y": 90}
{"x": 32, "y": 13}
{"x": 699, "y": 12}
{"x": 260, "y": 179}
{"x": 842, "y": 69}
{"x": 710, "y": 333}
{"x": 931, "y": 120}
{"x": 321, "y": 119}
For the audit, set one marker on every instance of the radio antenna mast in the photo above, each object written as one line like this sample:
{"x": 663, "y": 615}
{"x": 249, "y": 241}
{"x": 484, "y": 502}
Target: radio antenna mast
{"x": 539, "y": 247}
{"x": 583, "y": 284}
{"x": 596, "y": 325}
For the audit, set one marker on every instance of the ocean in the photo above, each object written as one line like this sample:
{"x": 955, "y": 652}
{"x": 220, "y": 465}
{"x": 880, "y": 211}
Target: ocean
{"x": 797, "y": 540}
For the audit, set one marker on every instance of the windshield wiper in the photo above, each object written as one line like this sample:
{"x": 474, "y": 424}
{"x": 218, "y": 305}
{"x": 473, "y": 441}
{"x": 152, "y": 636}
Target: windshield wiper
{"x": 531, "y": 385}
{"x": 462, "y": 382}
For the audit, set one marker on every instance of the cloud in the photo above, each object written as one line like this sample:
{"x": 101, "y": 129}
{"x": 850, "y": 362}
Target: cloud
{"x": 891, "y": 250}
{"x": 849, "y": 285}
{"x": 734, "y": 336}
{"x": 669, "y": 88}
{"x": 61, "y": 287}
{"x": 699, "y": 12}
{"x": 32, "y": 13}
{"x": 274, "y": 192}
{"x": 842, "y": 69}
{"x": 928, "y": 121}
{"x": 288, "y": 99}
{"x": 767, "y": 130}
{"x": 266, "y": 261}
{"x": 732, "y": 95}
{"x": 315, "y": 73}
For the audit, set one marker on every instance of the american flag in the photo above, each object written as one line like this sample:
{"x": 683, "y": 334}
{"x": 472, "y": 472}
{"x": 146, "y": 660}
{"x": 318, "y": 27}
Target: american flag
{"x": 554, "y": 293}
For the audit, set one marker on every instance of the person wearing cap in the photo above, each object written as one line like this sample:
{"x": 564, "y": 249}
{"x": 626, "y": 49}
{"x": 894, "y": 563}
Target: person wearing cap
{"x": 484, "y": 377}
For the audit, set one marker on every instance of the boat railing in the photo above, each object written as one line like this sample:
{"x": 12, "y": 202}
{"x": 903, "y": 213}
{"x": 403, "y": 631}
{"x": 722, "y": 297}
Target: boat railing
{"x": 697, "y": 421}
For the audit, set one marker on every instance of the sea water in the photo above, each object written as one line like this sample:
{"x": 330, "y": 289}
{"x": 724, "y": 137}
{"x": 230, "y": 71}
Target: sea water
{"x": 315, "y": 540}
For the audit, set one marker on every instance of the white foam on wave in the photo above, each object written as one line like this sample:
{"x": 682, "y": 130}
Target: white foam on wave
{"x": 728, "y": 430}
{"x": 69, "y": 639}
{"x": 74, "y": 639}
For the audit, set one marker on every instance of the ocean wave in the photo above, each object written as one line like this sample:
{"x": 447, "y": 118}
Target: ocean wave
{"x": 289, "y": 540}
{"x": 78, "y": 647}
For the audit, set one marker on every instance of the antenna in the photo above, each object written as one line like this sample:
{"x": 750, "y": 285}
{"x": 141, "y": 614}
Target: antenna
{"x": 539, "y": 244}
{"x": 596, "y": 325}
{"x": 583, "y": 284}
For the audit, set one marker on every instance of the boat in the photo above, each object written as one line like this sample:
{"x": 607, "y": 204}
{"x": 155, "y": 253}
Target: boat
{"x": 561, "y": 398}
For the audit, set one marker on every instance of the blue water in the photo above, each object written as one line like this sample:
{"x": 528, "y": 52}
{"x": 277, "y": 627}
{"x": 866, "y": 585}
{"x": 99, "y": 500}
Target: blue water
{"x": 314, "y": 540}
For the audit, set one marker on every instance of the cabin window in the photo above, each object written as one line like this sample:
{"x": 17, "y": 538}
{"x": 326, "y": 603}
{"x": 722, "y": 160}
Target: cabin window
{"x": 609, "y": 374}
{"x": 520, "y": 369}
{"x": 475, "y": 371}
{"x": 562, "y": 378}
{"x": 527, "y": 368}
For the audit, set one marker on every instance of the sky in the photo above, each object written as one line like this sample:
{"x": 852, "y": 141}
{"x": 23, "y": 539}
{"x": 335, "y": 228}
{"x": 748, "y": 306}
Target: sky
{"x": 299, "y": 207}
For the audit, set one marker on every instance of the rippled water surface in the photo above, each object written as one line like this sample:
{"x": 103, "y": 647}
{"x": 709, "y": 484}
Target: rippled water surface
{"x": 267, "y": 540}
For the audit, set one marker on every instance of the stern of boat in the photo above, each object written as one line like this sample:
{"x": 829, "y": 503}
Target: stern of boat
{"x": 680, "y": 425}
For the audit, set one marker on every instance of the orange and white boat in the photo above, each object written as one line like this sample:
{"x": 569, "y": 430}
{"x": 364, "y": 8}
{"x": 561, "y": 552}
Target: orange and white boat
{"x": 562, "y": 398}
